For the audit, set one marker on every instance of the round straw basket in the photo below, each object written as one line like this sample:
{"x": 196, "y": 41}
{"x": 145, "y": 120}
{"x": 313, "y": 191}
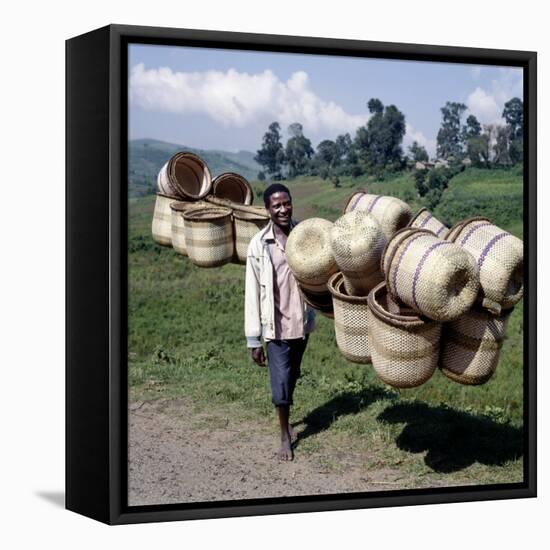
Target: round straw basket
{"x": 185, "y": 176}
{"x": 178, "y": 229}
{"x": 434, "y": 277}
{"x": 499, "y": 257}
{"x": 309, "y": 254}
{"x": 319, "y": 301}
{"x": 424, "y": 219}
{"x": 246, "y": 225}
{"x": 208, "y": 236}
{"x": 471, "y": 344}
{"x": 162, "y": 220}
{"x": 404, "y": 346}
{"x": 232, "y": 187}
{"x": 350, "y": 321}
{"x": 357, "y": 243}
{"x": 392, "y": 214}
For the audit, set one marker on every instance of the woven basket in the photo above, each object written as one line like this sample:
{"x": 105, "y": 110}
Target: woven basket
{"x": 499, "y": 257}
{"x": 434, "y": 277}
{"x": 178, "y": 228}
{"x": 350, "y": 321}
{"x": 246, "y": 225}
{"x": 162, "y": 220}
{"x": 391, "y": 213}
{"x": 424, "y": 219}
{"x": 471, "y": 344}
{"x": 319, "y": 301}
{"x": 209, "y": 236}
{"x": 357, "y": 243}
{"x": 185, "y": 176}
{"x": 404, "y": 347}
{"x": 232, "y": 187}
{"x": 309, "y": 254}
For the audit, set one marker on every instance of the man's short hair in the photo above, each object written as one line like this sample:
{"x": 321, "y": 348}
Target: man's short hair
{"x": 275, "y": 188}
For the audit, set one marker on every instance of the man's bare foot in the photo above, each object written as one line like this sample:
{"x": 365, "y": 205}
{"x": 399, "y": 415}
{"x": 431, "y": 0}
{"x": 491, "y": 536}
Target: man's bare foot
{"x": 285, "y": 452}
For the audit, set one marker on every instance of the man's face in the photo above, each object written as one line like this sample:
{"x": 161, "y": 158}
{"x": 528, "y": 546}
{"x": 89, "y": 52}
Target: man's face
{"x": 280, "y": 209}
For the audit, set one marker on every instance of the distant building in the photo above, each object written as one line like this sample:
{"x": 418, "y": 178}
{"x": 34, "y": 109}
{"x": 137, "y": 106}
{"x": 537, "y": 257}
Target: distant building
{"x": 467, "y": 162}
{"x": 423, "y": 165}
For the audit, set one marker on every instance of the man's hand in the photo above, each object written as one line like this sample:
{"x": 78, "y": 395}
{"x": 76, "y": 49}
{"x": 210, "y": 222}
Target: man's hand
{"x": 258, "y": 356}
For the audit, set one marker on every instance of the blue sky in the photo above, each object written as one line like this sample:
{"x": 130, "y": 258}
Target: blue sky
{"x": 225, "y": 99}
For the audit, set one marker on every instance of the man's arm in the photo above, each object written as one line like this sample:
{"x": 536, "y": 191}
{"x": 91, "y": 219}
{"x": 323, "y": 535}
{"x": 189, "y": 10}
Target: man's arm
{"x": 252, "y": 313}
{"x": 252, "y": 310}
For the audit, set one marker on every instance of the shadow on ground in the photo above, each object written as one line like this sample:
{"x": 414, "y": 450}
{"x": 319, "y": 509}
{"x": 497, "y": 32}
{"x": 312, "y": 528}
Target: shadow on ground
{"x": 453, "y": 439}
{"x": 343, "y": 404}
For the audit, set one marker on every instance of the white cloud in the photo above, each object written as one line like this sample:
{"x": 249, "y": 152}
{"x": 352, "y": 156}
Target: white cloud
{"x": 236, "y": 99}
{"x": 487, "y": 104}
{"x": 416, "y": 135}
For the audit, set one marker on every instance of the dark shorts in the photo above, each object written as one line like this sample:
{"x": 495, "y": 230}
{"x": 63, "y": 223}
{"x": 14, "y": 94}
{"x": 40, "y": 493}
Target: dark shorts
{"x": 284, "y": 358}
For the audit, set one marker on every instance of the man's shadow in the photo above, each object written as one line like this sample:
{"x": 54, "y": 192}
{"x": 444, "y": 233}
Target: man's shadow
{"x": 453, "y": 439}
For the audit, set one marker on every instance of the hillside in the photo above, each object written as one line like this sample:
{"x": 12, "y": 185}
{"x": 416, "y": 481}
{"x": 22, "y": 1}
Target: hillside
{"x": 495, "y": 194}
{"x": 146, "y": 157}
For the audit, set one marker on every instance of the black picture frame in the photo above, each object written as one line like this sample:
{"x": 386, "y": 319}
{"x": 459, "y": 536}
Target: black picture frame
{"x": 96, "y": 273}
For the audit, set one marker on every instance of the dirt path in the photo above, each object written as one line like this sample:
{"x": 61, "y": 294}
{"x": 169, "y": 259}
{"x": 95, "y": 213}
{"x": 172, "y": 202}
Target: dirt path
{"x": 177, "y": 455}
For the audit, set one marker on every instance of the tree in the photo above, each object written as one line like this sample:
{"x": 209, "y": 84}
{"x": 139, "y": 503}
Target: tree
{"x": 327, "y": 157}
{"x": 418, "y": 152}
{"x": 502, "y": 145}
{"x": 471, "y": 129}
{"x": 475, "y": 144}
{"x": 449, "y": 136}
{"x": 513, "y": 114}
{"x": 272, "y": 155}
{"x": 379, "y": 143}
{"x": 298, "y": 151}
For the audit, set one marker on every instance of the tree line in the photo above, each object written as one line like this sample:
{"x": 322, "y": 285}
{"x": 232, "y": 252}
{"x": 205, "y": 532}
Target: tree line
{"x": 377, "y": 147}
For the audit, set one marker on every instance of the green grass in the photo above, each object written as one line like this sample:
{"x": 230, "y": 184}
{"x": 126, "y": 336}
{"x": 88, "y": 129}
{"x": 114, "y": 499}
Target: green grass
{"x": 186, "y": 339}
{"x": 494, "y": 194}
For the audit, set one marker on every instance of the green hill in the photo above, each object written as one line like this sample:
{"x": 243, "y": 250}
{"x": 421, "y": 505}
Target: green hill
{"x": 147, "y": 156}
{"x": 495, "y": 194}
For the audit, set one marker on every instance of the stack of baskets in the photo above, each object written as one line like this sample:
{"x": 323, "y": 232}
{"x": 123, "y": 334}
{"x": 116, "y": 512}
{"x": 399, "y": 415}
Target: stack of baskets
{"x": 408, "y": 294}
{"x": 211, "y": 221}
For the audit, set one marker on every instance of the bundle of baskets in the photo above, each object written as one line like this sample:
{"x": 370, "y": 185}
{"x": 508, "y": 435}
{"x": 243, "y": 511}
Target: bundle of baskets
{"x": 408, "y": 294}
{"x": 209, "y": 220}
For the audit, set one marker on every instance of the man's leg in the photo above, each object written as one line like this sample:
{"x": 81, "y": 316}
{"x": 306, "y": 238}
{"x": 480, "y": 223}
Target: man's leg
{"x": 282, "y": 384}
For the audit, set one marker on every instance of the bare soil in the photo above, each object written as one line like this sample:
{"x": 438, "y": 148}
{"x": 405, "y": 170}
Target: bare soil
{"x": 177, "y": 455}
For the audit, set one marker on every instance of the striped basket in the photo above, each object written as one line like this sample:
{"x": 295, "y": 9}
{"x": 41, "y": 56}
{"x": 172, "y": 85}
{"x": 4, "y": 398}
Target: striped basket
{"x": 404, "y": 347}
{"x": 350, "y": 321}
{"x": 185, "y": 176}
{"x": 162, "y": 220}
{"x": 209, "y": 236}
{"x": 434, "y": 277}
{"x": 499, "y": 257}
{"x": 232, "y": 187}
{"x": 357, "y": 243}
{"x": 178, "y": 228}
{"x": 470, "y": 346}
{"x": 424, "y": 219}
{"x": 319, "y": 301}
{"x": 309, "y": 254}
{"x": 246, "y": 225}
{"x": 391, "y": 213}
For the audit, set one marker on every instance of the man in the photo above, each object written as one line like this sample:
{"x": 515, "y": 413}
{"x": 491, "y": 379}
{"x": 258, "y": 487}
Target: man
{"x": 275, "y": 310}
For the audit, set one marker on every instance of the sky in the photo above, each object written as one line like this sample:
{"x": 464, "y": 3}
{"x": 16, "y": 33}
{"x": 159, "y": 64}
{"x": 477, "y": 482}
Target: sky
{"x": 225, "y": 99}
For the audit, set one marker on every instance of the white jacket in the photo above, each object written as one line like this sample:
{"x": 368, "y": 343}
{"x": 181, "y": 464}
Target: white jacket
{"x": 259, "y": 304}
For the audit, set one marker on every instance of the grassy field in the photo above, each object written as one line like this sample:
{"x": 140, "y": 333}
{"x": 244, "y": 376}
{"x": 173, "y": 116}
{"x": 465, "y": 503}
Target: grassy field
{"x": 186, "y": 339}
